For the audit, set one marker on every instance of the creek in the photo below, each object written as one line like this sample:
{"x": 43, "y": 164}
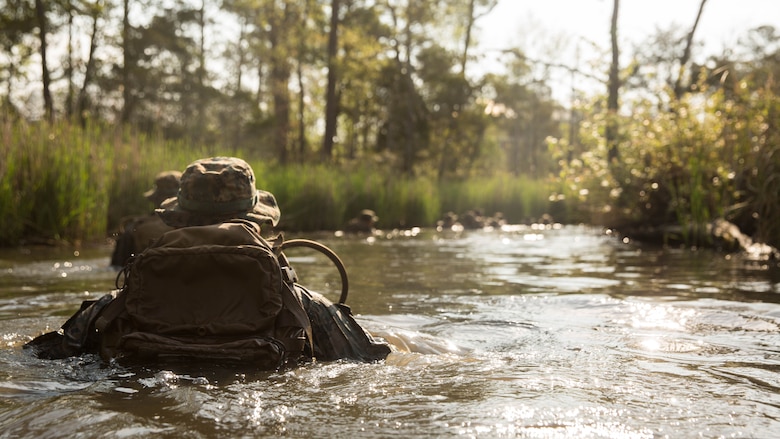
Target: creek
{"x": 545, "y": 332}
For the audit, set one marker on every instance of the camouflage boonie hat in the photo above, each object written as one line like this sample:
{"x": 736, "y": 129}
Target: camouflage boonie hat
{"x": 166, "y": 185}
{"x": 218, "y": 189}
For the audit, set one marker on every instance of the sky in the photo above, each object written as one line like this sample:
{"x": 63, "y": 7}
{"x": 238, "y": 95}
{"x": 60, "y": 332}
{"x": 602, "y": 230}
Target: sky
{"x": 541, "y": 27}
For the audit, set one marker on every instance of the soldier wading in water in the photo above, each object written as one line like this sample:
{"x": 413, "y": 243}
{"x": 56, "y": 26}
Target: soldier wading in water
{"x": 213, "y": 289}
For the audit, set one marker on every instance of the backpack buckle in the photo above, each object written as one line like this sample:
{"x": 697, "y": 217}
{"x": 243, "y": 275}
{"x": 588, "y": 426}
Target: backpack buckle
{"x": 289, "y": 275}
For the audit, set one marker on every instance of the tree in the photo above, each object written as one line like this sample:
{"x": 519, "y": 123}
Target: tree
{"x": 43, "y": 28}
{"x": 128, "y": 60}
{"x": 686, "y": 55}
{"x": 331, "y": 97}
{"x": 17, "y": 20}
{"x": 95, "y": 11}
{"x": 613, "y": 88}
{"x": 663, "y": 69}
{"x": 523, "y": 113}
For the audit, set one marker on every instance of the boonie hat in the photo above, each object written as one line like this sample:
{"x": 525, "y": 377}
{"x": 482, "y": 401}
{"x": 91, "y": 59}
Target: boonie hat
{"x": 218, "y": 189}
{"x": 166, "y": 185}
{"x": 368, "y": 215}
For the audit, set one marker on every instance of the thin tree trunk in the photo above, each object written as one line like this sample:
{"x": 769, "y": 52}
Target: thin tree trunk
{"x": 127, "y": 104}
{"x": 331, "y": 99}
{"x": 301, "y": 113}
{"x": 48, "y": 105}
{"x": 241, "y": 56}
{"x": 686, "y": 56}
{"x": 613, "y": 89}
{"x": 279, "y": 78}
{"x": 467, "y": 39}
{"x": 81, "y": 101}
{"x": 69, "y": 100}
{"x": 201, "y": 100}
{"x": 472, "y": 18}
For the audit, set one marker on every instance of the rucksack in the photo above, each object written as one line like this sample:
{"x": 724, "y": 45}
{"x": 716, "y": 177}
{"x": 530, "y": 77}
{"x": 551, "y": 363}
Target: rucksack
{"x": 137, "y": 234}
{"x": 214, "y": 292}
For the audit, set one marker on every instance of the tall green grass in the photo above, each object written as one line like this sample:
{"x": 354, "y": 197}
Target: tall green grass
{"x": 59, "y": 182}
{"x": 517, "y": 198}
{"x": 53, "y": 183}
{"x": 63, "y": 183}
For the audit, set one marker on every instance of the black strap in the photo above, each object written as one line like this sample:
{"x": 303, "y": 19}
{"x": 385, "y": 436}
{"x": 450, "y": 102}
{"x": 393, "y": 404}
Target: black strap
{"x": 111, "y": 311}
{"x": 292, "y": 301}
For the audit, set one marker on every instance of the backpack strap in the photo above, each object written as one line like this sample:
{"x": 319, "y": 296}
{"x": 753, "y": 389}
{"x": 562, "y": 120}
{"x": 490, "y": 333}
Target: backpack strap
{"x": 290, "y": 295}
{"x": 117, "y": 306}
{"x": 292, "y": 301}
{"x": 113, "y": 310}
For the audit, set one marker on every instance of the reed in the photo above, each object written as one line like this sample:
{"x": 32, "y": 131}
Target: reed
{"x": 138, "y": 159}
{"x": 517, "y": 198}
{"x": 53, "y": 183}
{"x": 63, "y": 183}
{"x": 317, "y": 197}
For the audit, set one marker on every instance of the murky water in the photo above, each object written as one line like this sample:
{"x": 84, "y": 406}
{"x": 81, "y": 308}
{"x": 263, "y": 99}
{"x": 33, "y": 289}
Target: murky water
{"x": 514, "y": 333}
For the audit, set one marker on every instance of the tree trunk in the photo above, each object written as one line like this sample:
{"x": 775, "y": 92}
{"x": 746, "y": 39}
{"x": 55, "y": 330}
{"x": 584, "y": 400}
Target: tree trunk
{"x": 81, "y": 101}
{"x": 301, "y": 113}
{"x": 69, "y": 104}
{"x": 331, "y": 99}
{"x": 686, "y": 56}
{"x": 613, "y": 89}
{"x": 127, "y": 104}
{"x": 48, "y": 105}
{"x": 280, "y": 73}
{"x": 200, "y": 98}
{"x": 467, "y": 39}
{"x": 472, "y": 18}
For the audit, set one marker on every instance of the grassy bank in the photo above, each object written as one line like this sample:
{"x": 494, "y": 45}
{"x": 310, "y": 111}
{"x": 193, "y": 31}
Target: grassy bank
{"x": 63, "y": 183}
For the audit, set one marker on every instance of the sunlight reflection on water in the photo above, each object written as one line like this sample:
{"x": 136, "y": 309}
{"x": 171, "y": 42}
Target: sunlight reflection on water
{"x": 510, "y": 333}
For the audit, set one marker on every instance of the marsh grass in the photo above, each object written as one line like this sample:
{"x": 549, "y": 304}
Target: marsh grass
{"x": 62, "y": 183}
{"x": 53, "y": 183}
{"x": 518, "y": 199}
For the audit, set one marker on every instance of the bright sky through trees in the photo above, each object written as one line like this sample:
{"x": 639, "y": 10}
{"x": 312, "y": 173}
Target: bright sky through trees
{"x": 561, "y": 27}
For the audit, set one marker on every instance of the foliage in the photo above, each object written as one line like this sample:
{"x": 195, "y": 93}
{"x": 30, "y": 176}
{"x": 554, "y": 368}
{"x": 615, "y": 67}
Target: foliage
{"x": 63, "y": 183}
{"x": 416, "y": 136}
{"x": 705, "y": 157}
{"x": 55, "y": 183}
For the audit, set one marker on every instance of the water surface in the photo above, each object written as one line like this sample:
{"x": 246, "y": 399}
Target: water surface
{"x": 521, "y": 332}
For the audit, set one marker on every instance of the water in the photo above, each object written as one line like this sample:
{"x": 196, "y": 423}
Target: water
{"x": 517, "y": 333}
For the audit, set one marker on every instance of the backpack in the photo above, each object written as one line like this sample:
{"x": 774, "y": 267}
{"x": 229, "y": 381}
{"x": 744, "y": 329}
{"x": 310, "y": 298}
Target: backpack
{"x": 215, "y": 292}
{"x": 137, "y": 234}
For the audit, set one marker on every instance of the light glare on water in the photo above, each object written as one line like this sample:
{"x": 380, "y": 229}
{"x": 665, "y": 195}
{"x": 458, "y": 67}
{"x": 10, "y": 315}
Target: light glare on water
{"x": 519, "y": 332}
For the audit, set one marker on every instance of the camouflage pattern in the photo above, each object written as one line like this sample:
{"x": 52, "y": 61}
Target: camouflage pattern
{"x": 214, "y": 191}
{"x": 166, "y": 185}
{"x": 218, "y": 189}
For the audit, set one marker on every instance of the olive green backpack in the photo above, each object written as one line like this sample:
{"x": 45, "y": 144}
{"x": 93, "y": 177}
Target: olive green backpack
{"x": 214, "y": 292}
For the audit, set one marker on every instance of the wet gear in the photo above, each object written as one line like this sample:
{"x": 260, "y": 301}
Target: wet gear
{"x": 186, "y": 296}
{"x": 235, "y": 302}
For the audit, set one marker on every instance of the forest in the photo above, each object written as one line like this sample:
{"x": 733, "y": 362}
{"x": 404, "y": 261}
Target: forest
{"x": 348, "y": 104}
